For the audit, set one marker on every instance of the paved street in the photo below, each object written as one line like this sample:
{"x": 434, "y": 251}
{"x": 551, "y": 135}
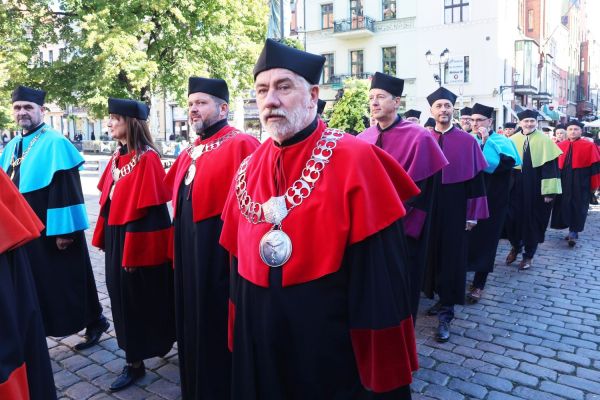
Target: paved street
{"x": 535, "y": 335}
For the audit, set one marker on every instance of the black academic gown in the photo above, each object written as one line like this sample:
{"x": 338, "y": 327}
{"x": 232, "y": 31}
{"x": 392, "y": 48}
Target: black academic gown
{"x": 201, "y": 292}
{"x": 273, "y": 362}
{"x": 64, "y": 279}
{"x": 141, "y": 301}
{"x": 446, "y": 269}
{"x": 484, "y": 237}
{"x": 570, "y": 208}
{"x": 23, "y": 349}
{"x": 528, "y": 214}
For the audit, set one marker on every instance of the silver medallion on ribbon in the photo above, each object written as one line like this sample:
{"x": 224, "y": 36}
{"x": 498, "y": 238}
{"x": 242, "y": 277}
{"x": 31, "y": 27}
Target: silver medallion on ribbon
{"x": 275, "y": 248}
{"x": 190, "y": 174}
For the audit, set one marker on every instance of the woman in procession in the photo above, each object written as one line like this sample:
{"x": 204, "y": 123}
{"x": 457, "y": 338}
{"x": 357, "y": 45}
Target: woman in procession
{"x": 134, "y": 229}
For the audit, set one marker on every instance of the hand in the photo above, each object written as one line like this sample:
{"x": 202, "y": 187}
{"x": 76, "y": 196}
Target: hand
{"x": 548, "y": 199}
{"x": 63, "y": 243}
{"x": 483, "y": 132}
{"x": 470, "y": 225}
{"x": 130, "y": 270}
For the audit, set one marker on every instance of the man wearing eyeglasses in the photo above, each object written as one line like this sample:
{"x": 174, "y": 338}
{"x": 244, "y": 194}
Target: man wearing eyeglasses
{"x": 465, "y": 119}
{"x": 501, "y": 156}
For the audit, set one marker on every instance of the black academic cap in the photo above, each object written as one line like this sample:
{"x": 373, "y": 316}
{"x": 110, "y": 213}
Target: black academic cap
{"x": 412, "y": 114}
{"x": 278, "y": 55}
{"x": 214, "y": 87}
{"x": 128, "y": 108}
{"x": 390, "y": 84}
{"x": 466, "y": 111}
{"x": 480, "y": 109}
{"x": 321, "y": 106}
{"x": 560, "y": 126}
{"x": 527, "y": 114}
{"x": 24, "y": 93}
{"x": 430, "y": 122}
{"x": 441, "y": 93}
{"x": 510, "y": 125}
{"x": 574, "y": 122}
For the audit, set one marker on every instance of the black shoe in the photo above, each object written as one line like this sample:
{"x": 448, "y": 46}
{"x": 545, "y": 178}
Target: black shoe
{"x": 433, "y": 310}
{"x": 443, "y": 332}
{"x": 512, "y": 256}
{"x": 129, "y": 375}
{"x": 92, "y": 335}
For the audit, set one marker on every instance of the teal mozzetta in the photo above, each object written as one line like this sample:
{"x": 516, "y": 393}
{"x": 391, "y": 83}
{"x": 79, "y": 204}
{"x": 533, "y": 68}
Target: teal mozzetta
{"x": 495, "y": 145}
{"x": 52, "y": 152}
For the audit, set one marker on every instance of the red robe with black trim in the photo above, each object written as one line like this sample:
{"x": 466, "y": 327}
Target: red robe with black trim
{"x": 134, "y": 229}
{"x": 334, "y": 321}
{"x": 579, "y": 166}
{"x": 25, "y": 371}
{"x": 201, "y": 264}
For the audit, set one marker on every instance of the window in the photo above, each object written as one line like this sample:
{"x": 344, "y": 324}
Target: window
{"x": 327, "y": 16}
{"x": 356, "y": 8}
{"x": 455, "y": 11}
{"x": 521, "y": 15}
{"x": 328, "y": 68}
{"x": 41, "y": 56}
{"x": 356, "y": 63}
{"x": 50, "y": 56}
{"x": 530, "y": 20}
{"x": 388, "y": 8}
{"x": 389, "y": 60}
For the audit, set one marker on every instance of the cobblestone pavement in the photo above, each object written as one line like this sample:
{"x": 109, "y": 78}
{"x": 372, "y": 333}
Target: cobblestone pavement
{"x": 534, "y": 335}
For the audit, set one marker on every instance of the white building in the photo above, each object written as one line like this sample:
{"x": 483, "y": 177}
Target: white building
{"x": 360, "y": 37}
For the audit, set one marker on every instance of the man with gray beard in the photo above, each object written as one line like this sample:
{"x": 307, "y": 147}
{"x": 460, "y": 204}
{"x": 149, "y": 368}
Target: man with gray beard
{"x": 318, "y": 301}
{"x": 200, "y": 179}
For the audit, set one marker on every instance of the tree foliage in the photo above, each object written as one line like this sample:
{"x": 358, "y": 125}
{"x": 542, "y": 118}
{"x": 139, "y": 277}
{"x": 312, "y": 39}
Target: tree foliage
{"x": 132, "y": 48}
{"x": 351, "y": 111}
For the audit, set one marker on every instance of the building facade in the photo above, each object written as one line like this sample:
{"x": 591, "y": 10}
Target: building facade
{"x": 503, "y": 53}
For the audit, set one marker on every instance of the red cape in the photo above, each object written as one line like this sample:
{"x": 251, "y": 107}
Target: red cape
{"x": 360, "y": 192}
{"x": 585, "y": 154}
{"x": 133, "y": 194}
{"x": 19, "y": 222}
{"x": 214, "y": 172}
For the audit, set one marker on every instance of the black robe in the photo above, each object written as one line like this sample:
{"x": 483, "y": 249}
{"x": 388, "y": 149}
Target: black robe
{"x": 570, "y": 209}
{"x": 484, "y": 237}
{"x": 201, "y": 293}
{"x": 528, "y": 214}
{"x": 141, "y": 301}
{"x": 446, "y": 267}
{"x": 311, "y": 356}
{"x": 64, "y": 279}
{"x": 23, "y": 349}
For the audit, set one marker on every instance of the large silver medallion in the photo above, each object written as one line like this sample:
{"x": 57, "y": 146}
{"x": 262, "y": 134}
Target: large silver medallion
{"x": 275, "y": 248}
{"x": 116, "y": 173}
{"x": 190, "y": 174}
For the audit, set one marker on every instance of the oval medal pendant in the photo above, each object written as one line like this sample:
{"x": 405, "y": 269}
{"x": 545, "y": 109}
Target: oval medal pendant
{"x": 116, "y": 173}
{"x": 275, "y": 248}
{"x": 191, "y": 173}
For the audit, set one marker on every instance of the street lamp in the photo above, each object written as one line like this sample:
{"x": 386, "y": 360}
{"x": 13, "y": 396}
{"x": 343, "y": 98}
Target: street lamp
{"x": 443, "y": 60}
{"x": 515, "y": 77}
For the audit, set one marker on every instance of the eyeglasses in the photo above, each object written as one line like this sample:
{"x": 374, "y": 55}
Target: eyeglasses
{"x": 478, "y": 120}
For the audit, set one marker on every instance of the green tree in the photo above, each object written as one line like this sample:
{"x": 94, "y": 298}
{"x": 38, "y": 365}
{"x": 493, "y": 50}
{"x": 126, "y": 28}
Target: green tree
{"x": 350, "y": 112}
{"x": 136, "y": 48}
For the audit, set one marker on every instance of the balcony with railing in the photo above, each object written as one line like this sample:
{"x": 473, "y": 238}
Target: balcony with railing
{"x": 355, "y": 27}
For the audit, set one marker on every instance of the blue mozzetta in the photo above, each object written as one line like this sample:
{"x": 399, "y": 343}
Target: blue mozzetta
{"x": 495, "y": 145}
{"x": 52, "y": 152}
{"x": 65, "y": 220}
